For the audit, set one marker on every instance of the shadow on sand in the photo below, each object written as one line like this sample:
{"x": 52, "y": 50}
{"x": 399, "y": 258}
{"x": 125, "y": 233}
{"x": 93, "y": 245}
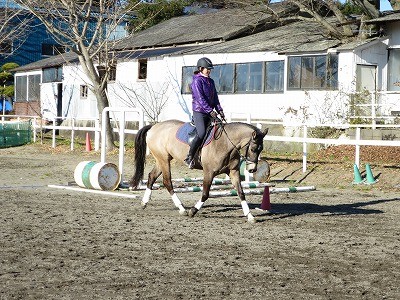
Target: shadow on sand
{"x": 286, "y": 210}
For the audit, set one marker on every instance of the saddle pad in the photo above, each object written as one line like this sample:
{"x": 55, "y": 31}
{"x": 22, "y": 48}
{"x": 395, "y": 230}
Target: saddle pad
{"x": 182, "y": 134}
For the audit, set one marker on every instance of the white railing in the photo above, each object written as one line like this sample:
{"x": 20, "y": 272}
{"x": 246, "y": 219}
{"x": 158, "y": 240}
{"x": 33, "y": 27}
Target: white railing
{"x": 305, "y": 139}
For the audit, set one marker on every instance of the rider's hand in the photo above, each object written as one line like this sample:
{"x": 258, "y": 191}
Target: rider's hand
{"x": 213, "y": 114}
{"x": 221, "y": 113}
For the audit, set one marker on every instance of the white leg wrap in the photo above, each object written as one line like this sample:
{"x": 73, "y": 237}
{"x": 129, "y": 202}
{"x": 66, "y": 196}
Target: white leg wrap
{"x": 199, "y": 205}
{"x": 146, "y": 196}
{"x": 177, "y": 202}
{"x": 245, "y": 207}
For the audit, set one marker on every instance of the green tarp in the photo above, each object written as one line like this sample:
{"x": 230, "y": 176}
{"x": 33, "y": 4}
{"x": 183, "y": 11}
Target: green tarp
{"x": 15, "y": 133}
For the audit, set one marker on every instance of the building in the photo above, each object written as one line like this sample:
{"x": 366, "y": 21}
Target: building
{"x": 273, "y": 71}
{"x": 36, "y": 43}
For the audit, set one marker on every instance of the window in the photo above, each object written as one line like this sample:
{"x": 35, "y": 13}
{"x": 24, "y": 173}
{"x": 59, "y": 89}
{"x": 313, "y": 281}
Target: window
{"x": 248, "y": 77}
{"x": 312, "y": 72}
{"x": 84, "y": 91}
{"x": 27, "y": 88}
{"x": 274, "y": 71}
{"x": 187, "y": 75}
{"x": 223, "y": 77}
{"x": 52, "y": 49}
{"x": 33, "y": 87}
{"x": 142, "y": 69}
{"x": 365, "y": 78}
{"x": 21, "y": 88}
{"x": 394, "y": 67}
{"x": 52, "y": 74}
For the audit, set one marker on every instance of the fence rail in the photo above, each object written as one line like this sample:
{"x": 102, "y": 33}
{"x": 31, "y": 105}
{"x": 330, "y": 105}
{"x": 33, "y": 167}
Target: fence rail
{"x": 305, "y": 140}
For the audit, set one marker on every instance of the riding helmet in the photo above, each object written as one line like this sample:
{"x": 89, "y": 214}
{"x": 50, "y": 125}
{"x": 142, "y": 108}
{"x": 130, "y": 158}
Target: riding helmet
{"x": 205, "y": 63}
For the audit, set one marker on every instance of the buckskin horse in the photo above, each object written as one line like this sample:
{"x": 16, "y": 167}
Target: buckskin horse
{"x": 221, "y": 156}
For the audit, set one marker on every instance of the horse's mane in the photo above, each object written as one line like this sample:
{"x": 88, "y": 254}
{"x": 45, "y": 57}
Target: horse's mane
{"x": 246, "y": 124}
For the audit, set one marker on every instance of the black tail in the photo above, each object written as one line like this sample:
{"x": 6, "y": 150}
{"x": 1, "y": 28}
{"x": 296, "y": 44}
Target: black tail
{"x": 140, "y": 156}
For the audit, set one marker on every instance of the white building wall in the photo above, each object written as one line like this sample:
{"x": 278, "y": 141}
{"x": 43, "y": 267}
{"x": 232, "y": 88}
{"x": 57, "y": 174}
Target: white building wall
{"x": 163, "y": 84}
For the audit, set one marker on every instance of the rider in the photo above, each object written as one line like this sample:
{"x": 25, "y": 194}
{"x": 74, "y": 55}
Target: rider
{"x": 205, "y": 105}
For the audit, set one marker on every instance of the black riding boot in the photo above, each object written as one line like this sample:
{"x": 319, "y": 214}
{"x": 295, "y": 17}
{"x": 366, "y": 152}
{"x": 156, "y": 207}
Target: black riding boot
{"x": 194, "y": 145}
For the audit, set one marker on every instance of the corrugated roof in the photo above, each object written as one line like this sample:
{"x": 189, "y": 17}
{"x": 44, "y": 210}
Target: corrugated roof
{"x": 146, "y": 53}
{"x": 53, "y": 61}
{"x": 221, "y": 25}
{"x": 302, "y": 36}
{"x": 390, "y": 17}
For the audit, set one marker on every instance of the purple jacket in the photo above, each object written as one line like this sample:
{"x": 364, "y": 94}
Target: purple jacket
{"x": 204, "y": 95}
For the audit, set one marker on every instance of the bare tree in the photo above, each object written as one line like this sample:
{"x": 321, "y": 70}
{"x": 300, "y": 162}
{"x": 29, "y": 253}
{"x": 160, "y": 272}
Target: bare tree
{"x": 319, "y": 11}
{"x": 85, "y": 27}
{"x": 152, "y": 98}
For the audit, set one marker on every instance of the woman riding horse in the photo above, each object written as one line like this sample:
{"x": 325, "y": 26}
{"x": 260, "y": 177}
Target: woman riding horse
{"x": 221, "y": 156}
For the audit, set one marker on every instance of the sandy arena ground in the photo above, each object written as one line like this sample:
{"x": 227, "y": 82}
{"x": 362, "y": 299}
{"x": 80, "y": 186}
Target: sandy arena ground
{"x": 338, "y": 242}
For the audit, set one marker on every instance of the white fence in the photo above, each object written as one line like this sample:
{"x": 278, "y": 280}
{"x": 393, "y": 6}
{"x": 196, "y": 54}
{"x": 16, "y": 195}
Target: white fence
{"x": 304, "y": 140}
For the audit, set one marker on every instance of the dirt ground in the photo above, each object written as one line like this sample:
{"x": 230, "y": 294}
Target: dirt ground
{"x": 341, "y": 241}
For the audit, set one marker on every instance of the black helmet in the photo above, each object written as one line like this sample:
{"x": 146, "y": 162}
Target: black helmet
{"x": 205, "y": 63}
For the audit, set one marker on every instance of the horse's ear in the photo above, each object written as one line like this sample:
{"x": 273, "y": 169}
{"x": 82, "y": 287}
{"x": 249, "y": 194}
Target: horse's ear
{"x": 265, "y": 131}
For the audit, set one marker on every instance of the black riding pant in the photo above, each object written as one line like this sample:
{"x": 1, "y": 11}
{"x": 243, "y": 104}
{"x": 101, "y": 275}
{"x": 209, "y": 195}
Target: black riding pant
{"x": 201, "y": 121}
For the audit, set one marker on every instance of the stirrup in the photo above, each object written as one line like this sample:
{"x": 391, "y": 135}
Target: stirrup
{"x": 189, "y": 161}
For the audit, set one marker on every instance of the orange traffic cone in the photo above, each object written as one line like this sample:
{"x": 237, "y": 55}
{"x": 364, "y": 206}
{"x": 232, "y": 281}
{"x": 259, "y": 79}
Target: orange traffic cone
{"x": 88, "y": 145}
{"x": 266, "y": 204}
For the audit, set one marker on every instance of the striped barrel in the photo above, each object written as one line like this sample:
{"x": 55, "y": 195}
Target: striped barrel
{"x": 98, "y": 176}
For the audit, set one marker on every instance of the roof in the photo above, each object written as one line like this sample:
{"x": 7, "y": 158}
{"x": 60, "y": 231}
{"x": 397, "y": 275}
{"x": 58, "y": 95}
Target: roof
{"x": 146, "y": 53}
{"x": 53, "y": 61}
{"x": 391, "y": 16}
{"x": 224, "y": 24}
{"x": 301, "y": 36}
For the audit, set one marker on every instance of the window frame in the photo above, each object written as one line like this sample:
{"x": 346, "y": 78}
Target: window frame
{"x": 142, "y": 69}
{"x": 280, "y": 74}
{"x": 83, "y": 91}
{"x": 307, "y": 76}
{"x": 249, "y": 73}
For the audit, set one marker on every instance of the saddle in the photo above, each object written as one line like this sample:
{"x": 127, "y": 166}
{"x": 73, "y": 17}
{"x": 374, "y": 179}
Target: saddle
{"x": 187, "y": 132}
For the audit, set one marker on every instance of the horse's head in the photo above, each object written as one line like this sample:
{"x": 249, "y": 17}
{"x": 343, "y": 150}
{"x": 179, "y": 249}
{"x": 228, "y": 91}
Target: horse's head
{"x": 254, "y": 148}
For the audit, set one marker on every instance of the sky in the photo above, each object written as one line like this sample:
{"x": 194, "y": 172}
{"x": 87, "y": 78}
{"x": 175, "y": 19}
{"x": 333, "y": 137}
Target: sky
{"x": 385, "y": 5}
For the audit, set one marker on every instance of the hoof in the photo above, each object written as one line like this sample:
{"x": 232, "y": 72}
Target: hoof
{"x": 251, "y": 219}
{"x": 192, "y": 212}
{"x": 144, "y": 205}
{"x": 183, "y": 212}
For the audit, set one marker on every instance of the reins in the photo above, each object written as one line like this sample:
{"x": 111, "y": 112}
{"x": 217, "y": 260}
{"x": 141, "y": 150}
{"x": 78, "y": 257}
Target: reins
{"x": 220, "y": 125}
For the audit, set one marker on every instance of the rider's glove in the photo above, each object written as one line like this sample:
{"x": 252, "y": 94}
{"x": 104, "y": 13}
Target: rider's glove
{"x": 221, "y": 113}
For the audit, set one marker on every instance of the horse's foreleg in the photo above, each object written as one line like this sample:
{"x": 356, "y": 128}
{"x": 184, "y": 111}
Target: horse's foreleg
{"x": 206, "y": 193}
{"x": 153, "y": 175}
{"x": 167, "y": 181}
{"x": 235, "y": 178}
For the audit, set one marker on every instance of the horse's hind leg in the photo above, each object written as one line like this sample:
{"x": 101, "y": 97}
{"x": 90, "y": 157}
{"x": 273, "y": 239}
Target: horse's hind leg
{"x": 153, "y": 175}
{"x": 234, "y": 175}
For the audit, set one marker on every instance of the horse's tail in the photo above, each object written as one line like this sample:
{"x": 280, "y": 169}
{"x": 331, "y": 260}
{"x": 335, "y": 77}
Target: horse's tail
{"x": 140, "y": 155}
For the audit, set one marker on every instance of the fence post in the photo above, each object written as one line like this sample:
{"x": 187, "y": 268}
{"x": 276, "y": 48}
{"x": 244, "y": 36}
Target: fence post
{"x": 72, "y": 133}
{"x": 54, "y": 133}
{"x": 304, "y": 148}
{"x": 357, "y": 156}
{"x": 97, "y": 134}
{"x": 34, "y": 129}
{"x": 121, "y": 143}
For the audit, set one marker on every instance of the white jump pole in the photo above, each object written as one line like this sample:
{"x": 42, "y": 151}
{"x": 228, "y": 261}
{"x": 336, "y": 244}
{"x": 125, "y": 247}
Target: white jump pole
{"x": 123, "y": 111}
{"x": 214, "y": 194}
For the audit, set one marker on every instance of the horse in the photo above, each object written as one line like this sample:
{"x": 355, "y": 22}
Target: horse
{"x": 221, "y": 156}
